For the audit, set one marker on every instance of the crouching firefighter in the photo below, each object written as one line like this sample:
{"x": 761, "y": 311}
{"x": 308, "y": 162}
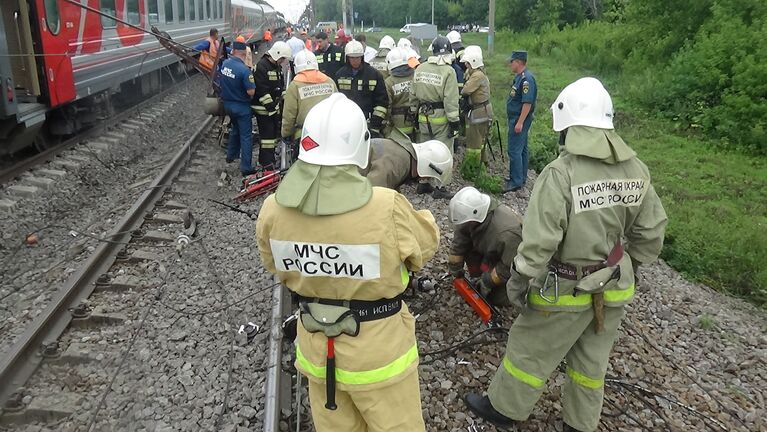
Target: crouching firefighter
{"x": 593, "y": 212}
{"x": 396, "y": 160}
{"x": 486, "y": 238}
{"x": 345, "y": 248}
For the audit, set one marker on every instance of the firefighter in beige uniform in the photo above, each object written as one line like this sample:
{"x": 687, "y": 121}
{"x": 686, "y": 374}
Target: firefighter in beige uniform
{"x": 593, "y": 217}
{"x": 486, "y": 238}
{"x": 345, "y": 248}
{"x": 398, "y": 84}
{"x": 308, "y": 88}
{"x": 480, "y": 111}
{"x": 396, "y": 160}
{"x": 379, "y": 61}
{"x": 435, "y": 89}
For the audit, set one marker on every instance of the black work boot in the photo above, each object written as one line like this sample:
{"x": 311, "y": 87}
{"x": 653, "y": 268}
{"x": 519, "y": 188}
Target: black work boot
{"x": 481, "y": 406}
{"x": 424, "y": 188}
{"x": 568, "y": 428}
{"x": 441, "y": 193}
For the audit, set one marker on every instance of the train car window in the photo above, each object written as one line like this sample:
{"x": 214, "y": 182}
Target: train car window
{"x": 108, "y": 7}
{"x": 191, "y": 11}
{"x": 200, "y": 10}
{"x": 168, "y": 11}
{"x": 220, "y": 8}
{"x": 181, "y": 10}
{"x": 154, "y": 11}
{"x": 211, "y": 9}
{"x": 52, "y": 19}
{"x": 132, "y": 13}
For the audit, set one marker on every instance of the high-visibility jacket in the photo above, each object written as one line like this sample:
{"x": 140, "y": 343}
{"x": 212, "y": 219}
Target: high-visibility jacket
{"x": 269, "y": 86}
{"x": 363, "y": 254}
{"x": 433, "y": 82}
{"x": 379, "y": 62}
{"x": 596, "y": 193}
{"x": 208, "y": 57}
{"x": 496, "y": 240}
{"x": 330, "y": 60}
{"x": 402, "y": 104}
{"x": 267, "y": 36}
{"x": 366, "y": 88}
{"x": 305, "y": 91}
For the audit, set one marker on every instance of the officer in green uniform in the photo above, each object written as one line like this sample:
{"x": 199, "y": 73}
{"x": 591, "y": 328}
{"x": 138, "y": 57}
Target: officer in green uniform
{"x": 593, "y": 218}
{"x": 398, "y": 85}
{"x": 486, "y": 238}
{"x": 396, "y": 160}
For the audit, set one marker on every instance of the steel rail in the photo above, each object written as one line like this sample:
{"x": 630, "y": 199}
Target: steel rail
{"x": 277, "y": 389}
{"x": 21, "y": 360}
{"x": 25, "y": 165}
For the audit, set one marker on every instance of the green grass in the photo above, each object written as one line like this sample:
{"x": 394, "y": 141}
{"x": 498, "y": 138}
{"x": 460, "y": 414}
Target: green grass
{"x": 716, "y": 200}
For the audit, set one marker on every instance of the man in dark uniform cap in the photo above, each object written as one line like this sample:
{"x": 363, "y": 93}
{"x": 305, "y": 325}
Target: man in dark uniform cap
{"x": 520, "y": 107}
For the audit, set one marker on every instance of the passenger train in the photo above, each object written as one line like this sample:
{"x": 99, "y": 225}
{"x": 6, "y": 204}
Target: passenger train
{"x": 61, "y": 65}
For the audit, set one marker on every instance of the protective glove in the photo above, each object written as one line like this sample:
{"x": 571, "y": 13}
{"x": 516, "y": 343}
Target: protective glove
{"x": 517, "y": 288}
{"x": 455, "y": 268}
{"x": 272, "y": 108}
{"x": 455, "y": 128}
{"x": 376, "y": 125}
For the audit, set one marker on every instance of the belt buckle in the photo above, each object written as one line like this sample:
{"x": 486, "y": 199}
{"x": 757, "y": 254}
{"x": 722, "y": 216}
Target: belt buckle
{"x": 545, "y": 287}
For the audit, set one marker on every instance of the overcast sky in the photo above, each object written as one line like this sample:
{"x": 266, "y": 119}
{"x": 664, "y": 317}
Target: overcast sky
{"x": 292, "y": 9}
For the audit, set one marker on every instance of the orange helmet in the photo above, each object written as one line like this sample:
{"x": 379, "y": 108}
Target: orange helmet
{"x": 240, "y": 38}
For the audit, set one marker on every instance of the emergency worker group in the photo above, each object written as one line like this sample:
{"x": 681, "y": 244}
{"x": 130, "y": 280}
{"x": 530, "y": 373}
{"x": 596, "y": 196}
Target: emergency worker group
{"x": 346, "y": 243}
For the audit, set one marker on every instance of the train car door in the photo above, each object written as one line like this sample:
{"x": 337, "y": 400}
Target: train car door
{"x": 18, "y": 36}
{"x": 54, "y": 47}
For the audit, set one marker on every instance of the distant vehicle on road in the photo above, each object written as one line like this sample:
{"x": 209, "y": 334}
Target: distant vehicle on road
{"x": 373, "y": 30}
{"x": 329, "y": 27}
{"x": 406, "y": 28}
{"x": 484, "y": 29}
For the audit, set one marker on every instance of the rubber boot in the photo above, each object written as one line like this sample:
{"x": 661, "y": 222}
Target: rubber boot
{"x": 481, "y": 406}
{"x": 424, "y": 188}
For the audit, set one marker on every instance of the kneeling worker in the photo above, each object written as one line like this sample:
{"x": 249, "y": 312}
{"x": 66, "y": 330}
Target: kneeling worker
{"x": 345, "y": 247}
{"x": 486, "y": 238}
{"x": 397, "y": 160}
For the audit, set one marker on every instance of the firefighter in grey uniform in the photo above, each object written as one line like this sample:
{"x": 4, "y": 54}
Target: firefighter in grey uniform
{"x": 396, "y": 160}
{"x": 308, "y": 88}
{"x": 379, "y": 61}
{"x": 593, "y": 217}
{"x": 345, "y": 249}
{"x": 435, "y": 90}
{"x": 400, "y": 115}
{"x": 486, "y": 238}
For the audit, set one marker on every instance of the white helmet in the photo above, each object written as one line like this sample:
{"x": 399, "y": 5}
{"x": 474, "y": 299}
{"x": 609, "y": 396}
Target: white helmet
{"x": 387, "y": 42}
{"x": 305, "y": 60}
{"x": 453, "y": 37}
{"x": 583, "y": 103}
{"x": 396, "y": 57}
{"x": 280, "y": 50}
{"x": 404, "y": 43}
{"x": 335, "y": 133}
{"x": 467, "y": 205}
{"x": 473, "y": 56}
{"x": 354, "y": 49}
{"x": 434, "y": 160}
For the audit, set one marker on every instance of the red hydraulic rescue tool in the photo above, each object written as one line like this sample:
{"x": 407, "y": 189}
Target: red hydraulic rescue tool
{"x": 471, "y": 295}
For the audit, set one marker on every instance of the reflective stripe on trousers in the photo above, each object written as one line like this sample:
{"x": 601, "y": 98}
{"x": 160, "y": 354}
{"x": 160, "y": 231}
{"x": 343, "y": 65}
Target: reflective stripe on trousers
{"x": 372, "y": 376}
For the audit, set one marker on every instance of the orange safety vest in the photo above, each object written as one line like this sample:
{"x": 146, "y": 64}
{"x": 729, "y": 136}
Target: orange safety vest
{"x": 207, "y": 58}
{"x": 267, "y": 36}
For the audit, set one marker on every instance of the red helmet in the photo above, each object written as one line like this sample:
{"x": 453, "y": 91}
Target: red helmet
{"x": 341, "y": 36}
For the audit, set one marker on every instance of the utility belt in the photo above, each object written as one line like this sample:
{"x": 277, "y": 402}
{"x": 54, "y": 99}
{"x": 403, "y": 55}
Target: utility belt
{"x": 400, "y": 111}
{"x": 570, "y": 271}
{"x": 479, "y": 105}
{"x": 429, "y": 107}
{"x": 334, "y": 317}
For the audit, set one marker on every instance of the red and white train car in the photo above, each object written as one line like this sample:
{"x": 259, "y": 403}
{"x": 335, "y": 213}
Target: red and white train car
{"x": 61, "y": 64}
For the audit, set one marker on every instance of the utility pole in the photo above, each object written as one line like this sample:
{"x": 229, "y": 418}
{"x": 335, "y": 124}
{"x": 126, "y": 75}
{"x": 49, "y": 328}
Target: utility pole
{"x": 343, "y": 13}
{"x": 491, "y": 31}
{"x": 432, "y": 12}
{"x": 351, "y": 13}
